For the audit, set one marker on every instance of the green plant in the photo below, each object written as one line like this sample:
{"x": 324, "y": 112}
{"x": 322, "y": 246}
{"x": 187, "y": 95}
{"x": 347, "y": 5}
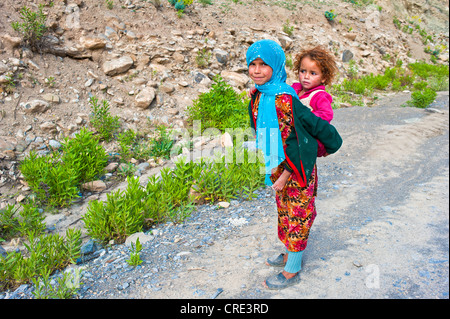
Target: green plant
{"x": 53, "y": 181}
{"x": 10, "y": 83}
{"x": 65, "y": 288}
{"x": 287, "y": 28}
{"x": 135, "y": 258}
{"x": 126, "y": 169}
{"x": 220, "y": 108}
{"x": 8, "y": 222}
{"x": 205, "y": 2}
{"x": 161, "y": 146}
{"x": 180, "y": 5}
{"x": 55, "y": 178}
{"x": 330, "y": 15}
{"x": 203, "y": 58}
{"x": 45, "y": 254}
{"x": 32, "y": 220}
{"x": 109, "y": 4}
{"x": 33, "y": 28}
{"x": 85, "y": 155}
{"x": 423, "y": 98}
{"x": 105, "y": 124}
{"x": 120, "y": 216}
{"x": 126, "y": 142}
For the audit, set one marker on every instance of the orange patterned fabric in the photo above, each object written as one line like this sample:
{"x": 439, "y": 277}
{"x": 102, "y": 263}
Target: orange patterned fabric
{"x": 295, "y": 204}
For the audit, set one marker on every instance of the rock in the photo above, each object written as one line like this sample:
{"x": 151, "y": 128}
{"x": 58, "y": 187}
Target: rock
{"x": 11, "y": 42}
{"x": 20, "y": 198}
{"x": 350, "y": 36}
{"x": 201, "y": 78}
{"x": 54, "y": 144}
{"x": 111, "y": 167}
{"x": 52, "y": 98}
{"x": 3, "y": 68}
{"x": 347, "y": 55}
{"x": 7, "y": 143}
{"x": 167, "y": 87}
{"x": 48, "y": 127}
{"x": 118, "y": 66}
{"x": 4, "y": 78}
{"x": 143, "y": 166}
{"x": 224, "y": 204}
{"x": 235, "y": 79}
{"x": 143, "y": 238}
{"x": 73, "y": 17}
{"x": 226, "y": 140}
{"x": 145, "y": 97}
{"x": 285, "y": 41}
{"x": 35, "y": 106}
{"x": 94, "y": 186}
{"x": 90, "y": 250}
{"x": 92, "y": 43}
{"x": 221, "y": 56}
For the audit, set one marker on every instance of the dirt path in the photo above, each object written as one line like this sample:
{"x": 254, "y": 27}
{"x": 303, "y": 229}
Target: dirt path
{"x": 382, "y": 224}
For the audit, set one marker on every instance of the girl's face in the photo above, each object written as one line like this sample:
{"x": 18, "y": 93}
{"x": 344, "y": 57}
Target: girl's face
{"x": 310, "y": 74}
{"x": 259, "y": 71}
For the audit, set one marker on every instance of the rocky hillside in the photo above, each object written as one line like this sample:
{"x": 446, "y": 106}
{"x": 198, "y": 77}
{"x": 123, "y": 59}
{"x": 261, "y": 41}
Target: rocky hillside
{"x": 150, "y": 62}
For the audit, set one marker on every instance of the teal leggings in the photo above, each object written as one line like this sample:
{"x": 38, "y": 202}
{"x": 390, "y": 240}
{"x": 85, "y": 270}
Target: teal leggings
{"x": 294, "y": 262}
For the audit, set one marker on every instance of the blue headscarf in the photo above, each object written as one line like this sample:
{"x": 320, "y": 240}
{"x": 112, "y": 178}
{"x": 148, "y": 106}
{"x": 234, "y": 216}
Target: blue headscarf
{"x": 268, "y": 137}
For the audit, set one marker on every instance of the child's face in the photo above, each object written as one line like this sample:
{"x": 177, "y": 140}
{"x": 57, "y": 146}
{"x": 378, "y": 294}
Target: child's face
{"x": 310, "y": 74}
{"x": 259, "y": 71}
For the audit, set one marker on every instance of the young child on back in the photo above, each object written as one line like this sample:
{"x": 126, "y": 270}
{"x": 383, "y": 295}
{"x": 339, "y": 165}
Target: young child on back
{"x": 316, "y": 68}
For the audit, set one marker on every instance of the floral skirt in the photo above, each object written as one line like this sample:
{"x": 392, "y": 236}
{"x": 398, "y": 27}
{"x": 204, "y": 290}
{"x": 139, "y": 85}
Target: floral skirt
{"x": 296, "y": 210}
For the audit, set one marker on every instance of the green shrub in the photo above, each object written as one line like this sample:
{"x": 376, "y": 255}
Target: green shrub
{"x": 55, "y": 178}
{"x": 135, "y": 258}
{"x": 170, "y": 198}
{"x": 45, "y": 254}
{"x": 117, "y": 218}
{"x": 330, "y": 15}
{"x": 161, "y": 146}
{"x": 8, "y": 222}
{"x": 423, "y": 98}
{"x": 126, "y": 141}
{"x": 53, "y": 181}
{"x": 220, "y": 108}
{"x": 105, "y": 124}
{"x": 65, "y": 288}
{"x": 85, "y": 155}
{"x": 32, "y": 28}
{"x": 31, "y": 221}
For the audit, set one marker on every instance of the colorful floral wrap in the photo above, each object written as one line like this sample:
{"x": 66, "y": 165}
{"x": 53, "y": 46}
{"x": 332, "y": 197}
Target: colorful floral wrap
{"x": 295, "y": 204}
{"x": 296, "y": 210}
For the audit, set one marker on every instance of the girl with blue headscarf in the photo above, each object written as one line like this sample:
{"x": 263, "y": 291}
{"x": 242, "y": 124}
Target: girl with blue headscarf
{"x": 286, "y": 132}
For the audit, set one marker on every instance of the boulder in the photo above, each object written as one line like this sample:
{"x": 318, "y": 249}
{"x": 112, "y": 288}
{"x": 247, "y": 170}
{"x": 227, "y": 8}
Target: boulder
{"x": 94, "y": 186}
{"x": 35, "y": 106}
{"x": 118, "y": 66}
{"x": 145, "y": 97}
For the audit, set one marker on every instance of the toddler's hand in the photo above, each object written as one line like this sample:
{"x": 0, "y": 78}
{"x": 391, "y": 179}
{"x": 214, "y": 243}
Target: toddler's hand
{"x": 251, "y": 91}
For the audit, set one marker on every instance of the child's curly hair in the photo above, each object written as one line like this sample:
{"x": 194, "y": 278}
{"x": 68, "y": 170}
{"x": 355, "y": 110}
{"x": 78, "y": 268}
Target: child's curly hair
{"x": 324, "y": 59}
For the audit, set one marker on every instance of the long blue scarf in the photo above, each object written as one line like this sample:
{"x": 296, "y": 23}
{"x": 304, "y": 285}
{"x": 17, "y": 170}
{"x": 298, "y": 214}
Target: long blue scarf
{"x": 268, "y": 137}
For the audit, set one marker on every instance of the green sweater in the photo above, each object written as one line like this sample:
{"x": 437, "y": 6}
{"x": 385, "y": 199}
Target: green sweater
{"x": 300, "y": 147}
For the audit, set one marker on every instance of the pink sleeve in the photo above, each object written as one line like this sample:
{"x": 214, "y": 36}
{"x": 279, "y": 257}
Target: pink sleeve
{"x": 321, "y": 105}
{"x": 297, "y": 87}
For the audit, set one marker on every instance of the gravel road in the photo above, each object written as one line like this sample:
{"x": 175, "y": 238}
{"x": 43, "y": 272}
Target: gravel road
{"x": 382, "y": 229}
